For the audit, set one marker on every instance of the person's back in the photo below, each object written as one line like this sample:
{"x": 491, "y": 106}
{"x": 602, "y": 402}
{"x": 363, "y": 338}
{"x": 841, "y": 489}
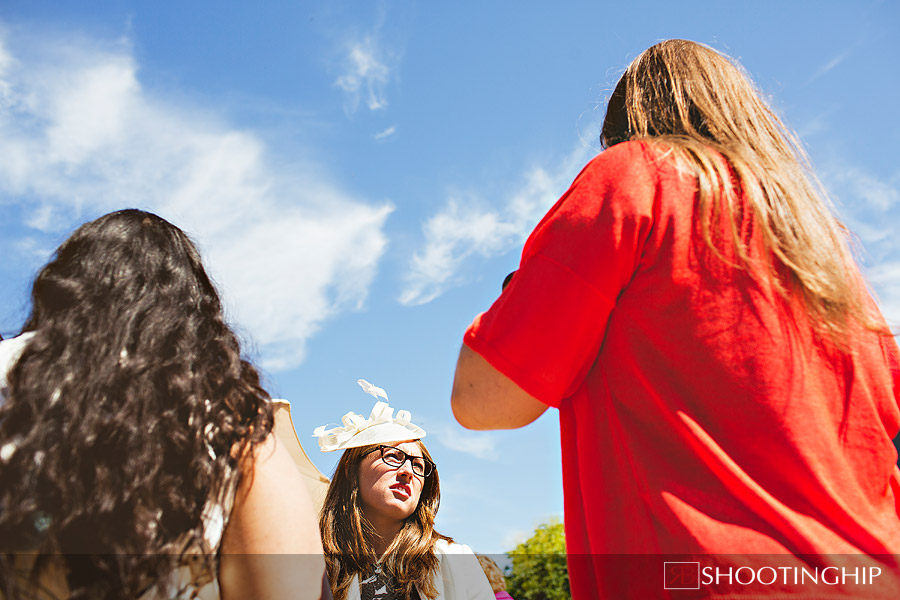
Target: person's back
{"x": 137, "y": 456}
{"x": 715, "y": 421}
{"x": 728, "y": 391}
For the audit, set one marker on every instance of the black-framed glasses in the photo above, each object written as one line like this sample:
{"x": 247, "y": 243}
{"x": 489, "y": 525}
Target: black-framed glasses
{"x": 395, "y": 457}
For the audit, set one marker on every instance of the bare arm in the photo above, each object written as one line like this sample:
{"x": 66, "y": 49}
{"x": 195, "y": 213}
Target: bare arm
{"x": 485, "y": 398}
{"x": 271, "y": 547}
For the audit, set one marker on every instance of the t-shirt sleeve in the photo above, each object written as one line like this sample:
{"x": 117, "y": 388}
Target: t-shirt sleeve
{"x": 546, "y": 329}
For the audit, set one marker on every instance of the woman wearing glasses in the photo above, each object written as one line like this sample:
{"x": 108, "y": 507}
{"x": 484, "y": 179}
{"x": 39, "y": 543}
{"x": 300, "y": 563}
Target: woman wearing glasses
{"x": 378, "y": 520}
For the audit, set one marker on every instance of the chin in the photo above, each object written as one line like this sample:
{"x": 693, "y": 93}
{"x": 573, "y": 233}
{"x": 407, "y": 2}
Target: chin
{"x": 401, "y": 513}
{"x": 405, "y": 513}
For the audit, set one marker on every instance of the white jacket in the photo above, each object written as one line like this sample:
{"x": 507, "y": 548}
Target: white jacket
{"x": 459, "y": 575}
{"x": 10, "y": 350}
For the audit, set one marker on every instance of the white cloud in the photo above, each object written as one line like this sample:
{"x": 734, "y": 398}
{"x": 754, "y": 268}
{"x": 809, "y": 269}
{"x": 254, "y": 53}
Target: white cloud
{"x": 886, "y": 279}
{"x": 478, "y": 444}
{"x": 877, "y": 194}
{"x": 32, "y": 249}
{"x": 365, "y": 75}
{"x": 514, "y": 537}
{"x": 871, "y": 207}
{"x": 828, "y": 66}
{"x": 381, "y": 135}
{"x": 80, "y": 136}
{"x": 465, "y": 227}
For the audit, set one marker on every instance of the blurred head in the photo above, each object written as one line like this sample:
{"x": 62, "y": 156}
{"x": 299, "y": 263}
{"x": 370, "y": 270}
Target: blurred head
{"x": 682, "y": 88}
{"x": 129, "y": 262}
{"x": 133, "y": 395}
{"x": 701, "y": 107}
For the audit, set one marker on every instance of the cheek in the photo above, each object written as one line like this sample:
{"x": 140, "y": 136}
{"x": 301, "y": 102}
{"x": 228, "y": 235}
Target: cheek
{"x": 417, "y": 491}
{"x": 368, "y": 481}
{"x": 367, "y": 496}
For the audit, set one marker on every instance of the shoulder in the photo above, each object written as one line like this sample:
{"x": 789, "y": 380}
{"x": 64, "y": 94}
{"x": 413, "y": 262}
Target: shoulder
{"x": 445, "y": 547}
{"x": 627, "y": 172}
{"x": 10, "y": 350}
{"x": 629, "y": 151}
{"x": 461, "y": 575}
{"x": 638, "y": 157}
{"x": 621, "y": 181}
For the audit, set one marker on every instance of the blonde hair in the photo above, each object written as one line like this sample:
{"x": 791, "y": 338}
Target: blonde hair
{"x": 347, "y": 536}
{"x": 493, "y": 573}
{"x": 700, "y": 105}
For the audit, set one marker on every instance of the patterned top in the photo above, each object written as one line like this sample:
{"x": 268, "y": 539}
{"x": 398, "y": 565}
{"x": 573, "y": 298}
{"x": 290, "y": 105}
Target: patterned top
{"x": 379, "y": 585}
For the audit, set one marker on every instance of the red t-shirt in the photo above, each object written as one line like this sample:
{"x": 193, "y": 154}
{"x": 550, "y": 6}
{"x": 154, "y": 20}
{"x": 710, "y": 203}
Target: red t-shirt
{"x": 700, "y": 416}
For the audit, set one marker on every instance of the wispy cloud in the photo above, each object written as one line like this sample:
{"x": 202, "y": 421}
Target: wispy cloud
{"x": 877, "y": 194}
{"x": 514, "y": 537}
{"x": 366, "y": 75}
{"x": 886, "y": 279}
{"x": 79, "y": 136}
{"x": 828, "y": 66}
{"x": 817, "y": 123}
{"x": 468, "y": 227}
{"x": 477, "y": 444}
{"x": 381, "y": 135}
{"x": 871, "y": 207}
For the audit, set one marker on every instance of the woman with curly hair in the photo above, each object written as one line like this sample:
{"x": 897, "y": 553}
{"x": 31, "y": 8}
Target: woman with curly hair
{"x": 378, "y": 521}
{"x": 136, "y": 454}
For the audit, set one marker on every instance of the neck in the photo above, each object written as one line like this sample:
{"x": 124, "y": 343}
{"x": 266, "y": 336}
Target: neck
{"x": 385, "y": 532}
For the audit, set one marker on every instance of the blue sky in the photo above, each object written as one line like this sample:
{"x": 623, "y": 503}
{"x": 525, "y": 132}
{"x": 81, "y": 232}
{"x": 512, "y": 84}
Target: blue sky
{"x": 361, "y": 175}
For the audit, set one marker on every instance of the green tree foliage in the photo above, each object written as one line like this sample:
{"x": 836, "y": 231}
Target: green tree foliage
{"x": 539, "y": 569}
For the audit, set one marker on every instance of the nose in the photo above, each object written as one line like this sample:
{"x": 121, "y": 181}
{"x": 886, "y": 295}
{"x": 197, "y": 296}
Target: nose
{"x": 405, "y": 469}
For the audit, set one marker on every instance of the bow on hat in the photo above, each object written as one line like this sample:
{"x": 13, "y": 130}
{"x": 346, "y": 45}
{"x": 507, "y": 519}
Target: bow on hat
{"x": 381, "y": 427}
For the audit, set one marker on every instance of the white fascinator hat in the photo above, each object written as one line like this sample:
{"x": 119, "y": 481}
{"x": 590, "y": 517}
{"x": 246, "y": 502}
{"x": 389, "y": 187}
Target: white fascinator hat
{"x": 381, "y": 427}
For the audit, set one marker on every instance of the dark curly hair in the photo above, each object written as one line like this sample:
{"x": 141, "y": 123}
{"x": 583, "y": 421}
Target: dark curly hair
{"x": 129, "y": 410}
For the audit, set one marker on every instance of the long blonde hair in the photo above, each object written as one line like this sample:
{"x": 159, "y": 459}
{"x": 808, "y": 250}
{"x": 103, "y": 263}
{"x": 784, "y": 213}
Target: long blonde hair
{"x": 701, "y": 105}
{"x": 347, "y": 536}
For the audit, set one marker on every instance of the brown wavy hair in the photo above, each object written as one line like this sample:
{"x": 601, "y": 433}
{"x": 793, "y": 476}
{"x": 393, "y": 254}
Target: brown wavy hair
{"x": 347, "y": 536}
{"x": 492, "y": 572}
{"x": 129, "y": 410}
{"x": 701, "y": 105}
